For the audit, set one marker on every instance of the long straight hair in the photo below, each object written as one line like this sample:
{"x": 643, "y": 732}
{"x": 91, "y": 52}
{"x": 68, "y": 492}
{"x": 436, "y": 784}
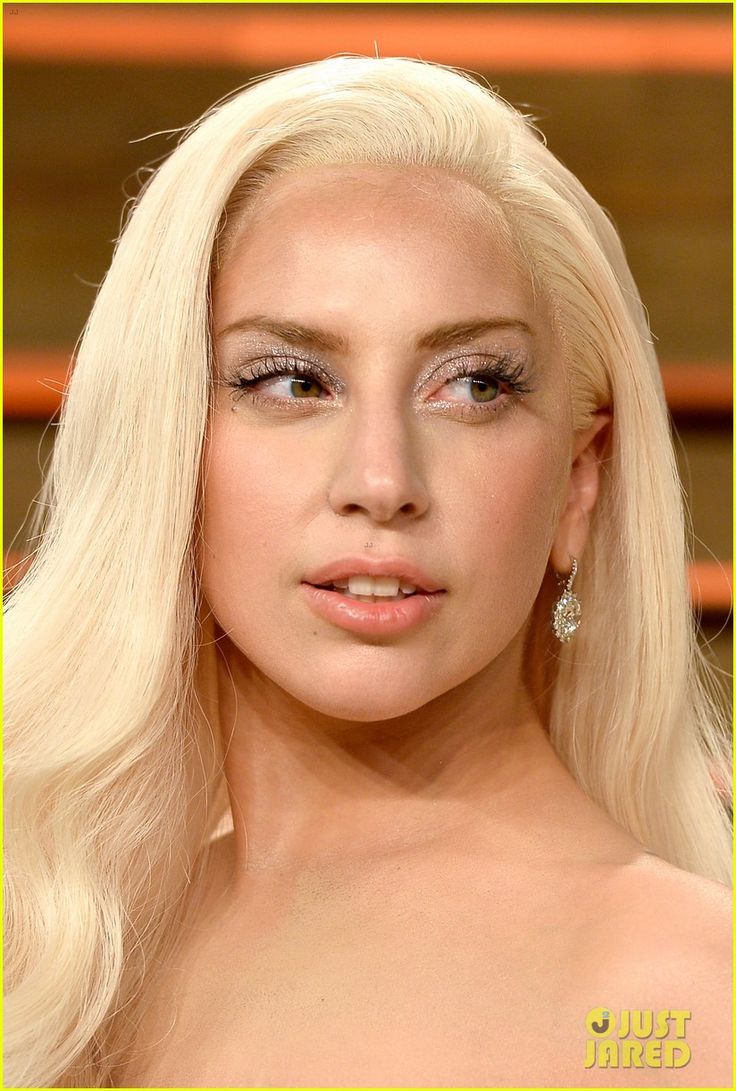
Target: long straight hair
{"x": 113, "y": 777}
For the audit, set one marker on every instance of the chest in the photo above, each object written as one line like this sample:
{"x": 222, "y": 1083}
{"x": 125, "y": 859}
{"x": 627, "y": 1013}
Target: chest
{"x": 341, "y": 994}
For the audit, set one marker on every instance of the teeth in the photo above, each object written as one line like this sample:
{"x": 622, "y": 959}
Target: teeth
{"x": 384, "y": 586}
{"x": 375, "y": 598}
{"x": 368, "y": 587}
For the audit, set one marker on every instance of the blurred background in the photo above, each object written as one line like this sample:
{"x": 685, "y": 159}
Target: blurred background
{"x": 634, "y": 98}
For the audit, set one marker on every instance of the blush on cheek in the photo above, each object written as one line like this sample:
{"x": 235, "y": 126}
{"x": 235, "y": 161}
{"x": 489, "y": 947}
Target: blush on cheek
{"x": 517, "y": 508}
{"x": 252, "y": 517}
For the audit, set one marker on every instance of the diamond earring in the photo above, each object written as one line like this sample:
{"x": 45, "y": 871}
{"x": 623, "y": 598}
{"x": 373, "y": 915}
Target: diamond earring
{"x": 566, "y": 612}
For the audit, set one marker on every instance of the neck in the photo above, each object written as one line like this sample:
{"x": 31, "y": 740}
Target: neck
{"x": 308, "y": 789}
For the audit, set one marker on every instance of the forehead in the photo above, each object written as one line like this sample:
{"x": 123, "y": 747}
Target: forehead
{"x": 423, "y": 224}
{"x": 369, "y": 193}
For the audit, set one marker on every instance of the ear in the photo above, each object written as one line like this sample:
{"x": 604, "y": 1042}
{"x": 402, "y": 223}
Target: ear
{"x": 572, "y": 529}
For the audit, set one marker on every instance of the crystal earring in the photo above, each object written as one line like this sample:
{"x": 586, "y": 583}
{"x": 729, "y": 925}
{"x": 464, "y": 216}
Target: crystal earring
{"x": 566, "y": 612}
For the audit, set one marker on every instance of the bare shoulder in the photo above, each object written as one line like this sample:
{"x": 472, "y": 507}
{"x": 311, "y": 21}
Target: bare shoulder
{"x": 676, "y": 912}
{"x": 664, "y": 945}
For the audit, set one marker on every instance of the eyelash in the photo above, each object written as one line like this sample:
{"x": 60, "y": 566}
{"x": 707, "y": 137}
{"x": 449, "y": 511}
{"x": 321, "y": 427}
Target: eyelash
{"x": 503, "y": 369}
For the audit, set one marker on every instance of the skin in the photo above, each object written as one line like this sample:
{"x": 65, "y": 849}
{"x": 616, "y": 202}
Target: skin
{"x": 416, "y": 891}
{"x": 351, "y": 728}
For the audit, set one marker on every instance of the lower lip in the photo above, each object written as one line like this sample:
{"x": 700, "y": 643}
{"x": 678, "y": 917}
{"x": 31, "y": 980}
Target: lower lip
{"x": 372, "y": 618}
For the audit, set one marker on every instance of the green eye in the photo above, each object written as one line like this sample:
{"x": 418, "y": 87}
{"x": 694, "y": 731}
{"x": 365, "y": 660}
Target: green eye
{"x": 483, "y": 391}
{"x": 304, "y": 388}
{"x": 280, "y": 379}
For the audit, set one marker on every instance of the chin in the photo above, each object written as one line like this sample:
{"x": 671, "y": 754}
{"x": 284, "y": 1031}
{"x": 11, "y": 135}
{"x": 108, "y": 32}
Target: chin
{"x": 343, "y": 701}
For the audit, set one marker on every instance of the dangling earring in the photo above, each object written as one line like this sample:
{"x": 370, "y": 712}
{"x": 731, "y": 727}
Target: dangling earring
{"x": 566, "y": 612}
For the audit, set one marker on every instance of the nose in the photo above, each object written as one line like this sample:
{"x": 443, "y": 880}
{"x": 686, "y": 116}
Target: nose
{"x": 377, "y": 471}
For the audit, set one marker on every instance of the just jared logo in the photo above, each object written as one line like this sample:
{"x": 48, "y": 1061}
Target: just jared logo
{"x": 637, "y": 1038}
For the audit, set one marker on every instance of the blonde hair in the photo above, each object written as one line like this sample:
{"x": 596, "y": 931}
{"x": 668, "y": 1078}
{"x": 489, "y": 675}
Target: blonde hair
{"x": 113, "y": 782}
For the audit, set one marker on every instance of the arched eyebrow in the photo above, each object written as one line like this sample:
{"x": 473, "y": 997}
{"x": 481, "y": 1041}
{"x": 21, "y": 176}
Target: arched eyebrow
{"x": 443, "y": 336}
{"x": 326, "y": 341}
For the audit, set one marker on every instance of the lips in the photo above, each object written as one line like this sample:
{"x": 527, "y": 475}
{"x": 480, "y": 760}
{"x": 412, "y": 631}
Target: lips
{"x": 380, "y": 618}
{"x": 401, "y": 568}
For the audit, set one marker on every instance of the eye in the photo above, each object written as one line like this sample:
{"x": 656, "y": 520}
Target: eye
{"x": 296, "y": 386}
{"x": 479, "y": 388}
{"x": 279, "y": 379}
{"x": 484, "y": 384}
{"x": 476, "y": 384}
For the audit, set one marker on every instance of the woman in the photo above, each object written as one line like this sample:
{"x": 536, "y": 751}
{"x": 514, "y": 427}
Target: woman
{"x": 365, "y": 551}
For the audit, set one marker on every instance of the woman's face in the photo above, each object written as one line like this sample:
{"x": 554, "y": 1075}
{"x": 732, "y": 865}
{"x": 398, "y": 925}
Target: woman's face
{"x": 373, "y": 428}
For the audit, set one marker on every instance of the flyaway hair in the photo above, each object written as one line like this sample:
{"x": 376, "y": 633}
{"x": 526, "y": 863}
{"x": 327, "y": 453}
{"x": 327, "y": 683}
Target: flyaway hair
{"x": 113, "y": 747}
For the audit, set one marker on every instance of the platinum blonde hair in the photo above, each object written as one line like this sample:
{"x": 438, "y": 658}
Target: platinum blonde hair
{"x": 113, "y": 774}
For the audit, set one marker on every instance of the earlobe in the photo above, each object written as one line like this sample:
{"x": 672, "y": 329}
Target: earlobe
{"x": 572, "y": 529}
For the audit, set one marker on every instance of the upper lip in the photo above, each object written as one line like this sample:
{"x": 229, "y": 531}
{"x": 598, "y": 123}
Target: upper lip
{"x": 356, "y": 565}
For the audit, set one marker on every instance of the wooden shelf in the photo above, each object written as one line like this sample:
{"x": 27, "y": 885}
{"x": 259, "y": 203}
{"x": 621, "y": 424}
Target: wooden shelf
{"x": 711, "y": 587}
{"x": 698, "y": 389}
{"x": 34, "y": 380}
{"x": 258, "y": 36}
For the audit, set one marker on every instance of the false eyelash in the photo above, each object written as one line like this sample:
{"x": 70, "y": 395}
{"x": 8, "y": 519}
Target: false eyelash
{"x": 506, "y": 369}
{"x": 277, "y": 366}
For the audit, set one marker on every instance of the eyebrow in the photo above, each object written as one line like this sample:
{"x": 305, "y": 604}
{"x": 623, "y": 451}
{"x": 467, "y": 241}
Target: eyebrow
{"x": 325, "y": 341}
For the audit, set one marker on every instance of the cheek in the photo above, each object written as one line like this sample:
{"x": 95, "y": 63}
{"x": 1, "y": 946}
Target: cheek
{"x": 504, "y": 517}
{"x": 251, "y": 499}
